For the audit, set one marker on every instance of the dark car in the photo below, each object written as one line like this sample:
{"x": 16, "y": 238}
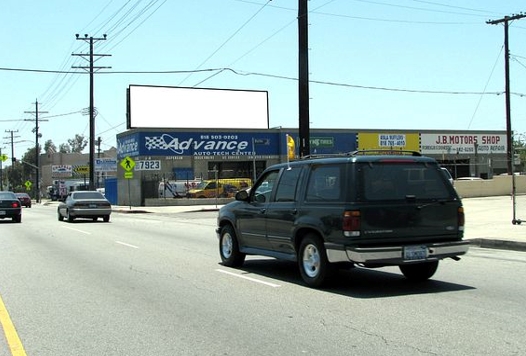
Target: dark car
{"x": 24, "y": 198}
{"x": 10, "y": 206}
{"x": 84, "y": 204}
{"x": 358, "y": 209}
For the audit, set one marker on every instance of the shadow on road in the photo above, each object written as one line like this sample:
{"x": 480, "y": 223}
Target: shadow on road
{"x": 353, "y": 282}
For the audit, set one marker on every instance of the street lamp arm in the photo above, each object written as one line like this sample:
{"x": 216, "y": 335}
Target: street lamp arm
{"x": 29, "y": 164}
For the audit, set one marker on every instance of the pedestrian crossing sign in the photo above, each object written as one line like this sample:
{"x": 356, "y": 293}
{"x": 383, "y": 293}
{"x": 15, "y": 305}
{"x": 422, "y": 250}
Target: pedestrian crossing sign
{"x": 128, "y": 164}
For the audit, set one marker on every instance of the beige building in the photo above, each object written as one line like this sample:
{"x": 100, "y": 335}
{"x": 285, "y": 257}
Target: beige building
{"x": 75, "y": 166}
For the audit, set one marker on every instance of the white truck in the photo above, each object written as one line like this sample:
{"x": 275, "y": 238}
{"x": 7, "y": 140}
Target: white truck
{"x": 176, "y": 188}
{"x": 61, "y": 188}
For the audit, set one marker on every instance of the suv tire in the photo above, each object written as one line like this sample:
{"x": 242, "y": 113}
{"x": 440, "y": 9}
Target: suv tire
{"x": 419, "y": 272}
{"x": 312, "y": 261}
{"x": 229, "y": 248}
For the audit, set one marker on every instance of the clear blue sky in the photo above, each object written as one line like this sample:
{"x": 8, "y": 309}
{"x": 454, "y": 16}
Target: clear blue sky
{"x": 382, "y": 64}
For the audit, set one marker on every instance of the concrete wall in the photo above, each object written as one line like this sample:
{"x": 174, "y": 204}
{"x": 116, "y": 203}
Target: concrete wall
{"x": 499, "y": 185}
{"x": 186, "y": 202}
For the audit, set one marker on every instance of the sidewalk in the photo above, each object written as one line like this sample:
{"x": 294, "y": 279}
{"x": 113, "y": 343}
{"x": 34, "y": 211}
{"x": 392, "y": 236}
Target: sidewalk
{"x": 488, "y": 220}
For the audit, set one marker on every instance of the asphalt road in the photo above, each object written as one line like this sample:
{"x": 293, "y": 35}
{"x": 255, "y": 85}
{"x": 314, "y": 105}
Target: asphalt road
{"x": 151, "y": 284}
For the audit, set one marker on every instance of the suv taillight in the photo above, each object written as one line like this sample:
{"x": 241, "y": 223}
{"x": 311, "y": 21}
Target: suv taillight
{"x": 461, "y": 218}
{"x": 15, "y": 204}
{"x": 351, "y": 223}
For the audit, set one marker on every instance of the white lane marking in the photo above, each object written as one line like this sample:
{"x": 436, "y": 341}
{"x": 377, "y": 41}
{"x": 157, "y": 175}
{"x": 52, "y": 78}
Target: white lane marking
{"x": 77, "y": 230}
{"x": 125, "y": 244}
{"x": 249, "y": 278}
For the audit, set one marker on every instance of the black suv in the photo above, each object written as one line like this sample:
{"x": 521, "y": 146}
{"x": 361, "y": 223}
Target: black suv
{"x": 364, "y": 208}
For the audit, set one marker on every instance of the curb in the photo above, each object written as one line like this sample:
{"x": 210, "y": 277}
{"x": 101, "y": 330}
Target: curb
{"x": 138, "y": 211}
{"x": 129, "y": 211}
{"x": 498, "y": 244}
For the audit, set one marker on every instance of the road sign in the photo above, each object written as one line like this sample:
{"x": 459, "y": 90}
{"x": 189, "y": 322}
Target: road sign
{"x": 148, "y": 165}
{"x": 105, "y": 165}
{"x": 262, "y": 141}
{"x": 3, "y": 158}
{"x": 81, "y": 169}
{"x": 28, "y": 184}
{"x": 128, "y": 164}
{"x": 128, "y": 175}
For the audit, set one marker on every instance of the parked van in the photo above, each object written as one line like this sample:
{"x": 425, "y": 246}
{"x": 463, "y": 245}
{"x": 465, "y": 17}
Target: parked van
{"x": 176, "y": 188}
{"x": 221, "y": 188}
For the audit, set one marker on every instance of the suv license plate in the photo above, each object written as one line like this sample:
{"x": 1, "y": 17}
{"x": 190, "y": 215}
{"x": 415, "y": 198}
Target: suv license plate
{"x": 415, "y": 252}
{"x": 2, "y": 212}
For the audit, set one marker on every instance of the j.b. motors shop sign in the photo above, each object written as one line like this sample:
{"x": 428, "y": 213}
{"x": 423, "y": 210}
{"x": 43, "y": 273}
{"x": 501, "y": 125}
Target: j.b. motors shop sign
{"x": 451, "y": 143}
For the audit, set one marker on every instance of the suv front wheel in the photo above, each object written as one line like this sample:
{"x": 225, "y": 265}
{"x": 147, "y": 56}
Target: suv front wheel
{"x": 229, "y": 247}
{"x": 312, "y": 260}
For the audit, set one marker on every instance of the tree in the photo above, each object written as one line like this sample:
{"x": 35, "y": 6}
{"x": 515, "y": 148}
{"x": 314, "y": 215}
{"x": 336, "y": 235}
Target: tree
{"x": 519, "y": 147}
{"x": 64, "y": 148}
{"x": 30, "y": 156}
{"x": 49, "y": 147}
{"x": 78, "y": 143}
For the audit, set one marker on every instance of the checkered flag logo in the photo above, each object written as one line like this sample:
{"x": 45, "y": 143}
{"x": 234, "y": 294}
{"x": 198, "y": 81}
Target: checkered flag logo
{"x": 164, "y": 142}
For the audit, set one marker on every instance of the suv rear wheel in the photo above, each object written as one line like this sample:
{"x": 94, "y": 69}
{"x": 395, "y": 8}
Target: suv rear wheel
{"x": 312, "y": 260}
{"x": 229, "y": 248}
{"x": 419, "y": 272}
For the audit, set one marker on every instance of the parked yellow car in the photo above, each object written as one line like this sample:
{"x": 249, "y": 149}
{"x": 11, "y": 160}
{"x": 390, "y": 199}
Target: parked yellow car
{"x": 221, "y": 188}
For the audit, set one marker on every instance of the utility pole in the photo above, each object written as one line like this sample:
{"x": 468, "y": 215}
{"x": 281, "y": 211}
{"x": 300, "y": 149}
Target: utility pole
{"x": 98, "y": 156}
{"x": 509, "y": 132}
{"x": 303, "y": 78}
{"x": 1, "y": 170}
{"x": 12, "y": 138}
{"x": 13, "y": 159}
{"x": 37, "y": 148}
{"x": 91, "y": 68}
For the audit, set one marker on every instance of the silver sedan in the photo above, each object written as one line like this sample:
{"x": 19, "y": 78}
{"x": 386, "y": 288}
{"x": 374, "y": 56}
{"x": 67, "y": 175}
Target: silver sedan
{"x": 84, "y": 204}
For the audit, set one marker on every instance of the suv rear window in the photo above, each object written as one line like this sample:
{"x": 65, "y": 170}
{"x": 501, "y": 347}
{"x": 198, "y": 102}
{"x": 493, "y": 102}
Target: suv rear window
{"x": 399, "y": 181}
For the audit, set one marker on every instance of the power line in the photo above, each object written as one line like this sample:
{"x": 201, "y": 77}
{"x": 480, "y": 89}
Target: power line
{"x": 228, "y": 40}
{"x": 282, "y": 77}
{"x": 485, "y": 87}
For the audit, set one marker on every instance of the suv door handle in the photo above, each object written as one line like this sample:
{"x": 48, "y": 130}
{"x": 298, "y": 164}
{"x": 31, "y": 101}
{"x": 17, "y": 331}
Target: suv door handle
{"x": 263, "y": 211}
{"x": 294, "y": 211}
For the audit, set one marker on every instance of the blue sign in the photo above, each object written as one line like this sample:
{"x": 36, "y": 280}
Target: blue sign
{"x": 128, "y": 146}
{"x": 196, "y": 144}
{"x": 272, "y": 143}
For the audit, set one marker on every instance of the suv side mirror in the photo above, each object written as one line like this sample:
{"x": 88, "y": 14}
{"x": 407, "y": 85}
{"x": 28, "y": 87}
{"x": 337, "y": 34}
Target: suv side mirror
{"x": 242, "y": 195}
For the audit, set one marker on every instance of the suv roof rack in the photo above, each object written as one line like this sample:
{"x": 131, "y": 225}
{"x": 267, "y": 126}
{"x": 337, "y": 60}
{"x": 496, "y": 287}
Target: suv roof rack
{"x": 364, "y": 152}
{"x": 386, "y": 152}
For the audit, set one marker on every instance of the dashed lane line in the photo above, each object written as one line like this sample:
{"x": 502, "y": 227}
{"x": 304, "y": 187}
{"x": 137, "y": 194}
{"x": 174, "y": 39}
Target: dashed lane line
{"x": 273, "y": 285}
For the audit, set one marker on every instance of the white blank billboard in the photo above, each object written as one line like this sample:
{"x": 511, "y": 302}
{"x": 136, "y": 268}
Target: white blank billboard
{"x": 178, "y": 107}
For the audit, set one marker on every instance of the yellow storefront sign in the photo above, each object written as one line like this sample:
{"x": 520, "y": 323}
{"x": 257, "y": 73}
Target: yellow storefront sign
{"x": 81, "y": 169}
{"x": 389, "y": 141}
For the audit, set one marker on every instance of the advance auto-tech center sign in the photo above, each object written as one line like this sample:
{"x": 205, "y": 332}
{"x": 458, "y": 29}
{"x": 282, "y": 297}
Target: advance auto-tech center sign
{"x": 451, "y": 143}
{"x": 195, "y": 144}
{"x": 225, "y": 144}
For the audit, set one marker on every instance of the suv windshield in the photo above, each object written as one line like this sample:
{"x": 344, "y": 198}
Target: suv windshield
{"x": 399, "y": 181}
